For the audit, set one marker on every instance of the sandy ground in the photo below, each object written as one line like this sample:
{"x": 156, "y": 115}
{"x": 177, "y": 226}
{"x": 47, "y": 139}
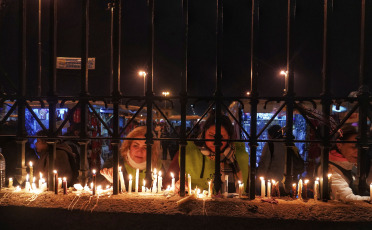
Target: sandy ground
{"x": 20, "y": 210}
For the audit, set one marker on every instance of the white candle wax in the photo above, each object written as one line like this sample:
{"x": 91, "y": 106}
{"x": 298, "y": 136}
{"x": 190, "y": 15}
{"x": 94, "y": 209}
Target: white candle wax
{"x": 160, "y": 182}
{"x": 226, "y": 185}
{"x": 31, "y": 172}
{"x": 210, "y": 188}
{"x": 370, "y": 192}
{"x": 316, "y": 186}
{"x": 137, "y": 180}
{"x": 60, "y": 183}
{"x": 121, "y": 180}
{"x": 173, "y": 182}
{"x": 263, "y": 187}
{"x": 189, "y": 183}
{"x": 130, "y": 184}
{"x": 10, "y": 185}
{"x": 41, "y": 181}
{"x": 268, "y": 188}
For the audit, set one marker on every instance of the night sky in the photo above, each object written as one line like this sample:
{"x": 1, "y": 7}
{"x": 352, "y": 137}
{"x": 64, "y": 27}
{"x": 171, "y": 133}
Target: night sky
{"x": 344, "y": 46}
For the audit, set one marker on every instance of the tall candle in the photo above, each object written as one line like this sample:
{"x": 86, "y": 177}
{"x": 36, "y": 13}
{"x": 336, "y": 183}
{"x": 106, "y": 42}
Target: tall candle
{"x": 189, "y": 183}
{"x": 160, "y": 182}
{"x": 94, "y": 182}
{"x": 210, "y": 188}
{"x": 263, "y": 187}
{"x": 370, "y": 192}
{"x": 10, "y": 185}
{"x": 55, "y": 181}
{"x": 64, "y": 182}
{"x": 41, "y": 181}
{"x": 154, "y": 181}
{"x": 31, "y": 172}
{"x": 300, "y": 184}
{"x": 122, "y": 182}
{"x": 268, "y": 189}
{"x": 137, "y": 180}
{"x": 240, "y": 188}
{"x": 173, "y": 182}
{"x": 144, "y": 186}
{"x": 226, "y": 185}
{"x": 316, "y": 188}
{"x": 59, "y": 183}
{"x": 27, "y": 186}
{"x": 294, "y": 189}
{"x": 130, "y": 184}
{"x": 305, "y": 188}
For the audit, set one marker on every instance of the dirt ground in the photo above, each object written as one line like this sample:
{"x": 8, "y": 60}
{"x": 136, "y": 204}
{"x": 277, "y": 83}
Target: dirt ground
{"x": 20, "y": 210}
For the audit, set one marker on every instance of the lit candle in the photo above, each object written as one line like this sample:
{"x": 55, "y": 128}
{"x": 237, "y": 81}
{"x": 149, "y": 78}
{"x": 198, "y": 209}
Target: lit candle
{"x": 210, "y": 188}
{"x": 268, "y": 189}
{"x": 31, "y": 172}
{"x": 94, "y": 182}
{"x": 316, "y": 188}
{"x": 144, "y": 186}
{"x": 137, "y": 180}
{"x": 27, "y": 186}
{"x": 33, "y": 186}
{"x": 10, "y": 185}
{"x": 160, "y": 182}
{"x": 305, "y": 188}
{"x": 226, "y": 185}
{"x": 294, "y": 189}
{"x": 370, "y": 192}
{"x": 130, "y": 184}
{"x": 59, "y": 183}
{"x": 122, "y": 182}
{"x": 173, "y": 182}
{"x": 64, "y": 185}
{"x": 300, "y": 189}
{"x": 55, "y": 181}
{"x": 263, "y": 187}
{"x": 189, "y": 183}
{"x": 41, "y": 181}
{"x": 154, "y": 181}
{"x": 329, "y": 182}
{"x": 241, "y": 187}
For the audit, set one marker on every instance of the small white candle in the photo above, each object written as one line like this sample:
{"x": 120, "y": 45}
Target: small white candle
{"x": 121, "y": 180}
{"x": 305, "y": 188}
{"x": 40, "y": 181}
{"x": 130, "y": 184}
{"x": 137, "y": 180}
{"x": 210, "y": 188}
{"x": 173, "y": 182}
{"x": 240, "y": 188}
{"x": 263, "y": 187}
{"x": 316, "y": 188}
{"x": 31, "y": 172}
{"x": 10, "y": 185}
{"x": 160, "y": 182}
{"x": 59, "y": 182}
{"x": 299, "y": 192}
{"x": 154, "y": 181}
{"x": 28, "y": 185}
{"x": 226, "y": 185}
{"x": 268, "y": 188}
{"x": 144, "y": 186}
{"x": 189, "y": 183}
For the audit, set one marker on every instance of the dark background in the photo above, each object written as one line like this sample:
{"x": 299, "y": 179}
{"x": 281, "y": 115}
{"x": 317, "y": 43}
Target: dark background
{"x": 344, "y": 46}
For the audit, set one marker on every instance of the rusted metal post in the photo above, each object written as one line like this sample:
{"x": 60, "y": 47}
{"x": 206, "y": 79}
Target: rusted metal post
{"x": 183, "y": 99}
{"x": 116, "y": 92}
{"x": 254, "y": 100}
{"x": 326, "y": 102}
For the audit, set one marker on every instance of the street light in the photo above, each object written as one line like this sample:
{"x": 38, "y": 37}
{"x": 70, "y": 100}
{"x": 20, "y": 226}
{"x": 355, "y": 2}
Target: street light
{"x": 285, "y": 74}
{"x": 143, "y": 74}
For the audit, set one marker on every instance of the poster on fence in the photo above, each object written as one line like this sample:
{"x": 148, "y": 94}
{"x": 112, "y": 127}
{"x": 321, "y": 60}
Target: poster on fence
{"x": 74, "y": 63}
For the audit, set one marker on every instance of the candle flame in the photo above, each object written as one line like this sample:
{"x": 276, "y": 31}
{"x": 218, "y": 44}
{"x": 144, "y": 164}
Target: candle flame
{"x": 155, "y": 171}
{"x": 41, "y": 175}
{"x": 160, "y": 173}
{"x": 54, "y": 171}
{"x": 273, "y": 181}
{"x": 239, "y": 182}
{"x": 317, "y": 178}
{"x": 94, "y": 171}
{"x": 27, "y": 176}
{"x": 119, "y": 168}
{"x": 130, "y": 176}
{"x": 172, "y": 175}
{"x": 306, "y": 181}
{"x": 64, "y": 179}
{"x": 30, "y": 163}
{"x": 144, "y": 182}
{"x": 329, "y": 175}
{"x": 262, "y": 178}
{"x": 294, "y": 185}
{"x": 34, "y": 179}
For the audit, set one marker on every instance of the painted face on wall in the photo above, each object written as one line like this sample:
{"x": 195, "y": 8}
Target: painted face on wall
{"x": 210, "y": 133}
{"x": 349, "y": 150}
{"x": 138, "y": 150}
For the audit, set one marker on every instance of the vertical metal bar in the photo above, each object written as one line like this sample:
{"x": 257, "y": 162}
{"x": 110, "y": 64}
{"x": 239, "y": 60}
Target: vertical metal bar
{"x": 218, "y": 94}
{"x": 52, "y": 98}
{"x": 38, "y": 93}
{"x": 116, "y": 92}
{"x": 149, "y": 93}
{"x": 289, "y": 93}
{"x": 111, "y": 7}
{"x": 83, "y": 172}
{"x": 183, "y": 99}
{"x": 254, "y": 100}
{"x": 21, "y": 131}
{"x": 326, "y": 102}
{"x": 363, "y": 98}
